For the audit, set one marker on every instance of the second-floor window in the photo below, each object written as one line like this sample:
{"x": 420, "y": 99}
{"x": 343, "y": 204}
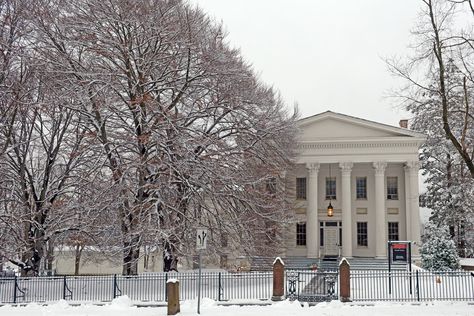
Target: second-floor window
{"x": 301, "y": 188}
{"x": 330, "y": 188}
{"x": 392, "y": 188}
{"x": 361, "y": 187}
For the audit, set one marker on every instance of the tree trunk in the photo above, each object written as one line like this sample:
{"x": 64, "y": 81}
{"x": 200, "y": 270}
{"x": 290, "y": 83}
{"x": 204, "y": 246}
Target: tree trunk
{"x": 170, "y": 259}
{"x": 77, "y": 258}
{"x": 131, "y": 253}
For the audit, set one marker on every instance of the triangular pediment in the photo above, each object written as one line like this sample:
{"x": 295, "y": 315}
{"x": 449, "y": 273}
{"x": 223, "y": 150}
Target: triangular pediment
{"x": 331, "y": 125}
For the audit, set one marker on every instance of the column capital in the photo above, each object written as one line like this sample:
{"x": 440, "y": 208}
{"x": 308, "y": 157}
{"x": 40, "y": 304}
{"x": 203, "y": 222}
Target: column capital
{"x": 379, "y": 167}
{"x": 412, "y": 166}
{"x": 313, "y": 168}
{"x": 346, "y": 167}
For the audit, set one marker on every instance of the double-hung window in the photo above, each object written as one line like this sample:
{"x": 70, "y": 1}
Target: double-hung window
{"x": 393, "y": 231}
{"x": 361, "y": 187}
{"x": 301, "y": 188}
{"x": 330, "y": 188}
{"x": 301, "y": 234}
{"x": 362, "y": 234}
{"x": 392, "y": 188}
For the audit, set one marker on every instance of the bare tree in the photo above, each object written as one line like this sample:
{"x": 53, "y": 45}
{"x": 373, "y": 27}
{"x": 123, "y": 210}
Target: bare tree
{"x": 443, "y": 48}
{"x": 189, "y": 135}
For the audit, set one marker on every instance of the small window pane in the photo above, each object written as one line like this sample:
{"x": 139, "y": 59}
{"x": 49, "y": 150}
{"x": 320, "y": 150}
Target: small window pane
{"x": 392, "y": 188}
{"x": 330, "y": 188}
{"x": 301, "y": 234}
{"x": 362, "y": 234}
{"x": 361, "y": 187}
{"x": 301, "y": 188}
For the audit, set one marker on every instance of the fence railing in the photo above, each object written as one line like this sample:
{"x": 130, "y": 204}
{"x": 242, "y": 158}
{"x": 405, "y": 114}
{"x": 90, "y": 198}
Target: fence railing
{"x": 419, "y": 285}
{"x": 304, "y": 285}
{"x": 220, "y": 286}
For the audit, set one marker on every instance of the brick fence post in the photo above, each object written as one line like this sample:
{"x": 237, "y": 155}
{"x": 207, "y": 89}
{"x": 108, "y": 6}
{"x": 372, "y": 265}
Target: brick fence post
{"x": 345, "y": 280}
{"x": 172, "y": 286}
{"x": 278, "y": 279}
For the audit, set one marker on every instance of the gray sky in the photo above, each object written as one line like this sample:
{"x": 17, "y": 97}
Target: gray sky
{"x": 324, "y": 55}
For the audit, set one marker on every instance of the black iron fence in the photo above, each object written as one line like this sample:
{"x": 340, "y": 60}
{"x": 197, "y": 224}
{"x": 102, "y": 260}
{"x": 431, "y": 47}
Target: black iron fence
{"x": 400, "y": 285}
{"x": 303, "y": 285}
{"x": 220, "y": 286}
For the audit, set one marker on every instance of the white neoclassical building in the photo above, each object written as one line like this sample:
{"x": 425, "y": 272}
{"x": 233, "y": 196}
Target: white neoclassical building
{"x": 368, "y": 172}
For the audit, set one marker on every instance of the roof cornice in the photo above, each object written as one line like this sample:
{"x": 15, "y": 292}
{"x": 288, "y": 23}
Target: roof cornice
{"x": 361, "y": 122}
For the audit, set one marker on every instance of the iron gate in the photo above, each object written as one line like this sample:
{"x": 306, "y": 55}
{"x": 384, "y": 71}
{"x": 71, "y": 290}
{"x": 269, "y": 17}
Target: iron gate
{"x": 312, "y": 286}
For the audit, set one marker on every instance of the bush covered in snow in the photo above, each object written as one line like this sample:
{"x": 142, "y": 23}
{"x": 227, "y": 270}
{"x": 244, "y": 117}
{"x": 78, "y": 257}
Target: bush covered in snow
{"x": 438, "y": 251}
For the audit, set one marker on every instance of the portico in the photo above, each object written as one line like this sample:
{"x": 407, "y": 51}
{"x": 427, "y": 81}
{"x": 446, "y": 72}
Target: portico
{"x": 369, "y": 173}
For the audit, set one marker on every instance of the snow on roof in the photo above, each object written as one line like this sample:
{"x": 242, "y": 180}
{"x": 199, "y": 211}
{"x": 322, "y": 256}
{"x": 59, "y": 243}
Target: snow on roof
{"x": 278, "y": 259}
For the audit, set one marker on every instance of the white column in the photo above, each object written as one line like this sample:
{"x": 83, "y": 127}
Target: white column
{"x": 407, "y": 203}
{"x": 346, "y": 168}
{"x": 312, "y": 225}
{"x": 380, "y": 217}
{"x": 413, "y": 167}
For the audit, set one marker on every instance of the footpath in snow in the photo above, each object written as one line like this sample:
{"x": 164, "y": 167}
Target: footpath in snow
{"x": 123, "y": 306}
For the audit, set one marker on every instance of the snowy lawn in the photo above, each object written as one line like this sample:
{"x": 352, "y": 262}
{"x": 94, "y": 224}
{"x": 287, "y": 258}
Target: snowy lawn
{"x": 123, "y": 306}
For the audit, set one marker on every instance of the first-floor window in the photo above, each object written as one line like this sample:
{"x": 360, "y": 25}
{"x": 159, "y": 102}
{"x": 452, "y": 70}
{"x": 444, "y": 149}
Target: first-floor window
{"x": 362, "y": 234}
{"x": 301, "y": 234}
{"x": 393, "y": 231}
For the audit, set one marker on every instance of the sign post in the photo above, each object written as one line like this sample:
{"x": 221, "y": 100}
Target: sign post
{"x": 201, "y": 244}
{"x": 399, "y": 251}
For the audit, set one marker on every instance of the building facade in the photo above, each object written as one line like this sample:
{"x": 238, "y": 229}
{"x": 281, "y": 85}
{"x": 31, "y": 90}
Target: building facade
{"x": 368, "y": 172}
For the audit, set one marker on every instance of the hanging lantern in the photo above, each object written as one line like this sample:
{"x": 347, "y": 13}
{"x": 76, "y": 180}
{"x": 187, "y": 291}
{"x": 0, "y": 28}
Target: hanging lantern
{"x": 330, "y": 210}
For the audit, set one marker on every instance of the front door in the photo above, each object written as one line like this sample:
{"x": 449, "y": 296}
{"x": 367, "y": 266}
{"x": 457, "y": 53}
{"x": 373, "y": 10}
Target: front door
{"x": 331, "y": 247}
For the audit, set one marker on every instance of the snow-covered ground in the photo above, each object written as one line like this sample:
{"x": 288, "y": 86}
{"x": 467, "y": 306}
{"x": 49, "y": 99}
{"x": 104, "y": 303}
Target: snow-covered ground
{"x": 123, "y": 306}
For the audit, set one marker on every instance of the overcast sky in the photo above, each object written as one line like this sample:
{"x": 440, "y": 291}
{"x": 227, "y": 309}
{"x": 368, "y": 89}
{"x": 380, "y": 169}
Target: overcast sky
{"x": 323, "y": 55}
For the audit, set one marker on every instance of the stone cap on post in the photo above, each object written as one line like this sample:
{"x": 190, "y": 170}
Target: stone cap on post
{"x": 278, "y": 259}
{"x": 344, "y": 261}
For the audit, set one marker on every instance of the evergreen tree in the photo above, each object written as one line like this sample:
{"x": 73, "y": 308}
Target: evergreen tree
{"x": 438, "y": 251}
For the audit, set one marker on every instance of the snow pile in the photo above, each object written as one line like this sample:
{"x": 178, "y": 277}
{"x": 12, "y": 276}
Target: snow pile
{"x": 121, "y": 302}
{"x": 122, "y": 306}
